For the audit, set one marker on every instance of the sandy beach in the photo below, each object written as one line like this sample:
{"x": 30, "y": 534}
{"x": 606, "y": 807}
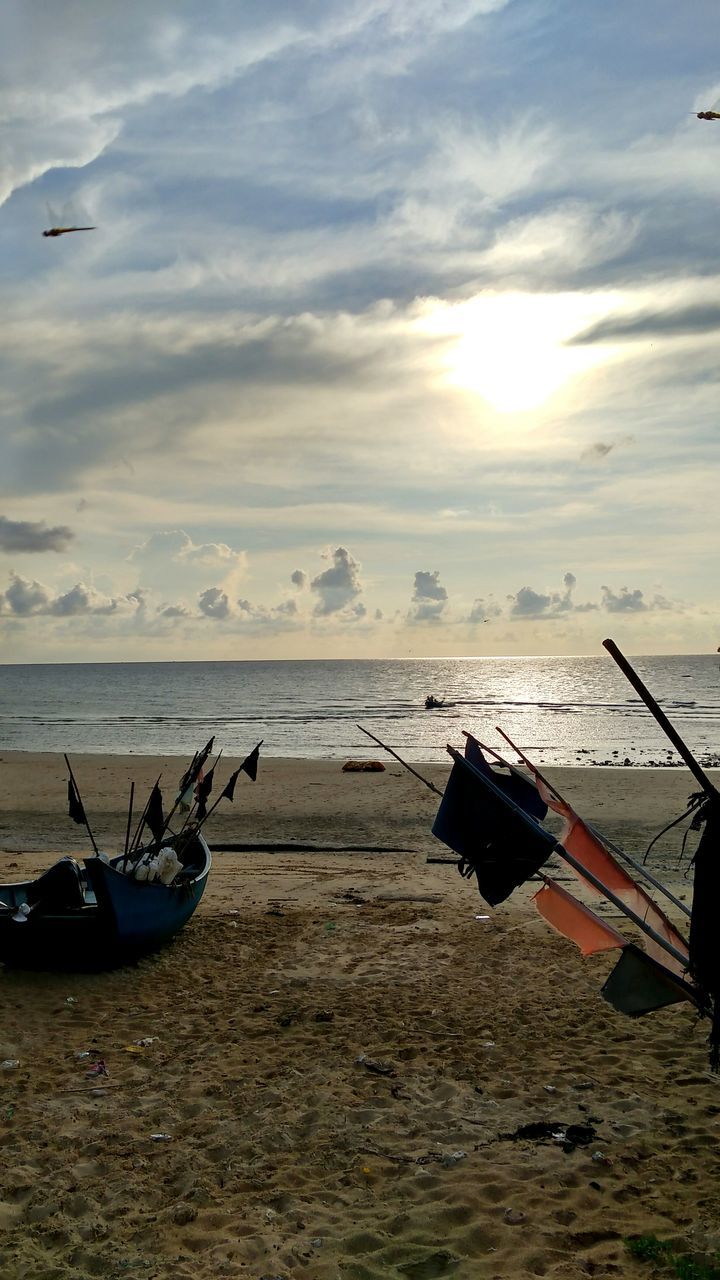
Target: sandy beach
{"x": 340, "y": 1054}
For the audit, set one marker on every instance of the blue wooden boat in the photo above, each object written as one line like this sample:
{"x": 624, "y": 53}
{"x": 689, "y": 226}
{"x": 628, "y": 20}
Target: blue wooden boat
{"x": 97, "y": 915}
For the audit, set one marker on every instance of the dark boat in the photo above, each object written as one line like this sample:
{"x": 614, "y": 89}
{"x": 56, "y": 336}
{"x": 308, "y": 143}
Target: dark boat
{"x": 98, "y": 915}
{"x": 432, "y": 703}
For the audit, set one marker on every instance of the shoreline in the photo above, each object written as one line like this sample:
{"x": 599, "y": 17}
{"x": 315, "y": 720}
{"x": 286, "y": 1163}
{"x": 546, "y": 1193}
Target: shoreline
{"x": 311, "y": 801}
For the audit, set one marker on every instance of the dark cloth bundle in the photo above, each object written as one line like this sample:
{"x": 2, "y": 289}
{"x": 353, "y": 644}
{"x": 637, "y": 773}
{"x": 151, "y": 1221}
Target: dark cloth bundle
{"x": 496, "y": 840}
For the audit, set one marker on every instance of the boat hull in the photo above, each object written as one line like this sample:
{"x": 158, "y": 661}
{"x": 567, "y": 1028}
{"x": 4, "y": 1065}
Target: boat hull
{"x": 114, "y": 921}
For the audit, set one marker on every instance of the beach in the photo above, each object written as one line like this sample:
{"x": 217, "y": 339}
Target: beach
{"x": 342, "y": 1052}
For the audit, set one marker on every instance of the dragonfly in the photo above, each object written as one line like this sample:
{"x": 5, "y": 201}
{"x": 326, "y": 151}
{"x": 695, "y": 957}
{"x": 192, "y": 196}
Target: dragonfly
{"x": 712, "y": 114}
{"x": 62, "y": 224}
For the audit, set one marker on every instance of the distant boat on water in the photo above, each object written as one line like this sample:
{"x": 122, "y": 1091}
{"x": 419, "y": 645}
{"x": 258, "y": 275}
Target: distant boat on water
{"x": 432, "y": 703}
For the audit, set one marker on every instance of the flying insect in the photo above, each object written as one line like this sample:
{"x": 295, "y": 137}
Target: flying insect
{"x": 712, "y": 114}
{"x": 62, "y": 224}
{"x": 63, "y": 231}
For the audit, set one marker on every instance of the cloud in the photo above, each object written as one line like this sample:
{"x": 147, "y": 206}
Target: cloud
{"x": 697, "y": 320}
{"x": 175, "y": 544}
{"x": 484, "y": 610}
{"x": 275, "y": 619}
{"x": 175, "y": 611}
{"x": 25, "y": 598}
{"x": 214, "y": 603}
{"x": 626, "y": 601}
{"x": 528, "y": 603}
{"x": 337, "y": 586}
{"x": 31, "y": 536}
{"x": 531, "y": 604}
{"x": 429, "y": 597}
{"x": 558, "y": 242}
{"x": 601, "y": 448}
{"x": 299, "y": 579}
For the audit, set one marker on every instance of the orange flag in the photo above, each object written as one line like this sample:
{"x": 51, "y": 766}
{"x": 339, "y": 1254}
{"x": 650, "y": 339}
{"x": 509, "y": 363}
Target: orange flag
{"x": 576, "y": 921}
{"x": 588, "y": 849}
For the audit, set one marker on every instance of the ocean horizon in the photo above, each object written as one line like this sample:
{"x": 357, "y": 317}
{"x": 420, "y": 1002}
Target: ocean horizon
{"x": 564, "y": 710}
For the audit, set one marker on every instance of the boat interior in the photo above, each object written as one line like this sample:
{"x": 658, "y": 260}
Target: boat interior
{"x": 65, "y": 886}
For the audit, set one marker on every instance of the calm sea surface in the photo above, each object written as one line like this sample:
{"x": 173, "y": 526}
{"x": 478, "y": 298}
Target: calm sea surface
{"x": 562, "y": 710}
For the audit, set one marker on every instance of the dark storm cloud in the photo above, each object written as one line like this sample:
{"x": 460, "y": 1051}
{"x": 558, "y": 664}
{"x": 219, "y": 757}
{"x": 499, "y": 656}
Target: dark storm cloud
{"x": 27, "y": 535}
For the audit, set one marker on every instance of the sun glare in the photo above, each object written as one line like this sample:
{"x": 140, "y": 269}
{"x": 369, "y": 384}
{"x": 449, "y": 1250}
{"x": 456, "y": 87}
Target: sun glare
{"x": 511, "y": 348}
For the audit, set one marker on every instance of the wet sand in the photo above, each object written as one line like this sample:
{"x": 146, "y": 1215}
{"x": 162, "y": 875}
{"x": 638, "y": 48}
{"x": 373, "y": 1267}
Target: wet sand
{"x": 341, "y": 1055}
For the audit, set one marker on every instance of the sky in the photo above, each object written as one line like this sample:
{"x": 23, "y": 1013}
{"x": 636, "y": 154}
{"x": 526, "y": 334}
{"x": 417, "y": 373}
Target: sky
{"x": 397, "y": 335}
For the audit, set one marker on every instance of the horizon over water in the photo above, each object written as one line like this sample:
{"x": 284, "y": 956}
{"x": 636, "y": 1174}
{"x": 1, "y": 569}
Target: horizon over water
{"x": 561, "y": 710}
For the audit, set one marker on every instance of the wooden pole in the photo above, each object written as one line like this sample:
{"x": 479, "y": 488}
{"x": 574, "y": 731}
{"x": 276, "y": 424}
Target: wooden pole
{"x": 77, "y": 793}
{"x": 138, "y": 832}
{"x": 656, "y": 710}
{"x": 129, "y": 821}
{"x": 400, "y": 760}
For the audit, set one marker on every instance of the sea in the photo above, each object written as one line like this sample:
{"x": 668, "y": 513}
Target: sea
{"x": 560, "y": 710}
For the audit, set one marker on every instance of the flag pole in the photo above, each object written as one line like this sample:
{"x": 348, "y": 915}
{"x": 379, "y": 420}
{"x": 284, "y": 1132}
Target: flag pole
{"x": 77, "y": 793}
{"x": 139, "y": 829}
{"x": 195, "y": 803}
{"x": 129, "y": 821}
{"x": 400, "y": 760}
{"x": 587, "y": 874}
{"x": 656, "y": 710}
{"x": 614, "y": 848}
{"x": 214, "y": 806}
{"x": 198, "y": 756}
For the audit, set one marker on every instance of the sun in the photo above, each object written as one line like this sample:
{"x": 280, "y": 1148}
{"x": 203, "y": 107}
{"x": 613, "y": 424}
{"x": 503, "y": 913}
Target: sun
{"x": 513, "y": 349}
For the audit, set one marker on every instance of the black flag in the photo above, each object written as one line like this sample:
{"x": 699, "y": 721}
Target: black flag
{"x": 75, "y": 804}
{"x": 192, "y": 774}
{"x": 229, "y": 790}
{"x": 154, "y": 816}
{"x": 202, "y": 791}
{"x": 250, "y": 763}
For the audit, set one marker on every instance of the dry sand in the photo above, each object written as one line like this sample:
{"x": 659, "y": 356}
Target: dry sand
{"x": 288, "y": 1157}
